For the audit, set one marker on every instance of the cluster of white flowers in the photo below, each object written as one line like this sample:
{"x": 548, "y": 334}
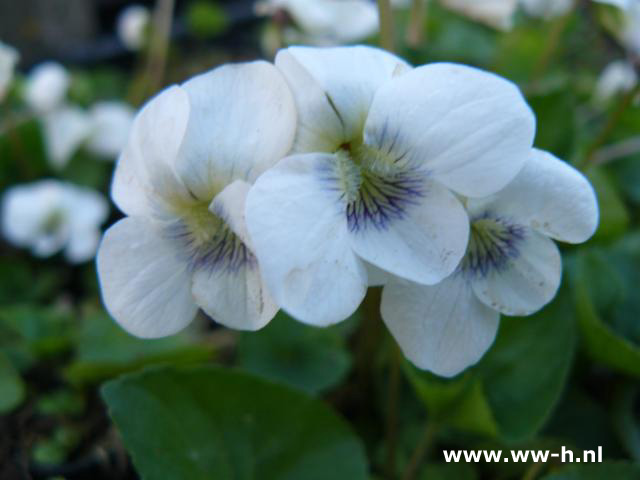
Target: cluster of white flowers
{"x": 49, "y": 216}
{"x": 298, "y": 185}
{"x": 66, "y": 127}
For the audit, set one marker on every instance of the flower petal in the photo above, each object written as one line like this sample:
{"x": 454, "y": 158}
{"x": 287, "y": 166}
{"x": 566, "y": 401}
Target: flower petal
{"x": 65, "y": 129}
{"x": 333, "y": 89}
{"x": 495, "y": 13}
{"x": 145, "y": 286}
{"x": 526, "y": 283}
{"x": 473, "y": 130}
{"x": 242, "y": 122}
{"x": 145, "y": 180}
{"x": 230, "y": 205}
{"x": 424, "y": 243}
{"x": 441, "y": 328}
{"x": 236, "y": 299}
{"x": 301, "y": 240}
{"x": 550, "y": 196}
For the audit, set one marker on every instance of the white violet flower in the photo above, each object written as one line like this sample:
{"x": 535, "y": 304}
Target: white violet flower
{"x": 182, "y": 181}
{"x": 8, "y": 60}
{"x": 618, "y": 77}
{"x": 110, "y": 124}
{"x": 49, "y": 216}
{"x": 511, "y": 267}
{"x": 132, "y": 26}
{"x": 324, "y": 22}
{"x": 381, "y": 151}
{"x": 65, "y": 129}
{"x": 46, "y": 87}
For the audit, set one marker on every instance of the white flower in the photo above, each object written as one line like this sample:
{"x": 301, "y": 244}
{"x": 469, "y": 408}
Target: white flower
{"x": 619, "y": 76}
{"x": 325, "y": 22}
{"x": 132, "y": 26}
{"x": 182, "y": 181}
{"x": 65, "y": 129}
{"x": 8, "y": 60}
{"x": 49, "y": 216}
{"x": 547, "y": 9}
{"x": 624, "y": 4}
{"x": 377, "y": 149}
{"x": 495, "y": 13}
{"x": 110, "y": 123}
{"x": 511, "y": 266}
{"x": 46, "y": 87}
{"x": 629, "y": 34}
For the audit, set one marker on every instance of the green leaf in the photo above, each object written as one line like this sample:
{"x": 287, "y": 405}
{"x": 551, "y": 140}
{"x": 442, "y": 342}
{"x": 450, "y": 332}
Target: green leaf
{"x": 311, "y": 359}
{"x": 12, "y": 389}
{"x": 215, "y": 424}
{"x": 598, "y": 471}
{"x": 448, "y": 471}
{"x": 625, "y": 419}
{"x": 604, "y": 296}
{"x": 104, "y": 351}
{"x": 514, "y": 389}
{"x": 206, "y": 19}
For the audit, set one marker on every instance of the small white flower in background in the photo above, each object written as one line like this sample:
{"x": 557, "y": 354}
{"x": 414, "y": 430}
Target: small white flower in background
{"x": 618, "y": 77}
{"x": 324, "y": 22}
{"x": 110, "y": 124}
{"x": 132, "y": 26}
{"x": 51, "y": 216}
{"x": 46, "y": 87}
{"x": 8, "y": 60}
{"x": 65, "y": 129}
{"x": 495, "y": 13}
{"x": 547, "y": 9}
{"x": 379, "y": 149}
{"x": 182, "y": 181}
{"x": 511, "y": 267}
{"x": 629, "y": 34}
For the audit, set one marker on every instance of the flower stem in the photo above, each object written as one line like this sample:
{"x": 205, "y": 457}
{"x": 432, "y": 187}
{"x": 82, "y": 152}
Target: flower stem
{"x": 392, "y": 410}
{"x": 421, "y": 450}
{"x": 625, "y": 102}
{"x": 385, "y": 14}
{"x": 553, "y": 41}
{"x": 417, "y": 17}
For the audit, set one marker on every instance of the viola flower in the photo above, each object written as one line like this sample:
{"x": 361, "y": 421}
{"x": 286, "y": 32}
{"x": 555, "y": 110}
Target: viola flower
{"x": 494, "y": 13}
{"x": 8, "y": 60}
{"x": 110, "y": 124}
{"x": 322, "y": 22}
{"x": 378, "y": 148}
{"x": 511, "y": 267}
{"x": 182, "y": 182}
{"x": 46, "y": 87}
{"x": 618, "y": 77}
{"x": 49, "y": 216}
{"x": 547, "y": 9}
{"x": 132, "y": 26}
{"x": 65, "y": 129}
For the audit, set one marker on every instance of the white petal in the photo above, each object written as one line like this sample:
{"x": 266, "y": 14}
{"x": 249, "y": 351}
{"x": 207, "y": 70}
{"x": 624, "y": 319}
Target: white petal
{"x": 334, "y": 22}
{"x": 547, "y": 9}
{"x": 145, "y": 180}
{"x": 495, "y": 13}
{"x": 333, "y": 90}
{"x": 82, "y": 246}
{"x": 526, "y": 283}
{"x": 618, "y": 77}
{"x": 230, "y": 205}
{"x": 111, "y": 124}
{"x": 65, "y": 129}
{"x": 473, "y": 130}
{"x": 236, "y": 299}
{"x": 242, "y": 122}
{"x": 132, "y": 26}
{"x": 299, "y": 232}
{"x": 376, "y": 276}
{"x": 425, "y": 244}
{"x": 46, "y": 86}
{"x": 442, "y": 328}
{"x": 145, "y": 286}
{"x": 550, "y": 196}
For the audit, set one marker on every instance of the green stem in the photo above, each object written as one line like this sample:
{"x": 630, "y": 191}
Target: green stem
{"x": 417, "y": 18}
{"x": 625, "y": 102}
{"x": 421, "y": 451}
{"x": 386, "y": 25}
{"x": 392, "y": 410}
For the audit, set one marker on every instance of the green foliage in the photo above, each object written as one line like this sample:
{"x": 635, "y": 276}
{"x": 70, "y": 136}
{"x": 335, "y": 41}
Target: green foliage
{"x": 209, "y": 423}
{"x": 12, "y": 388}
{"x": 206, "y": 19}
{"x": 308, "y": 358}
{"x": 603, "y": 471}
